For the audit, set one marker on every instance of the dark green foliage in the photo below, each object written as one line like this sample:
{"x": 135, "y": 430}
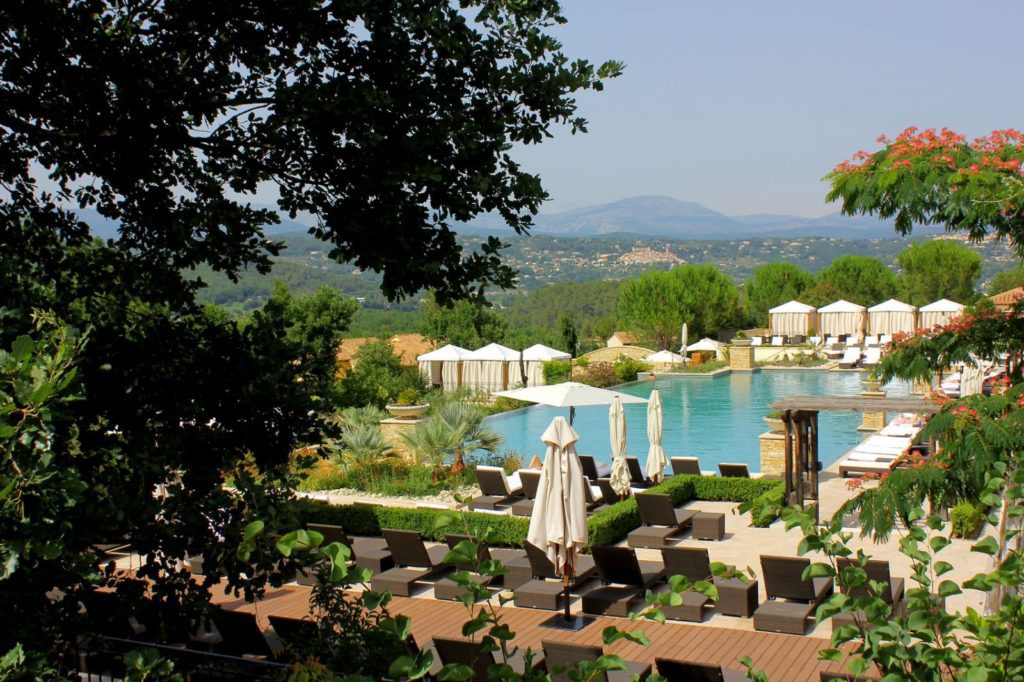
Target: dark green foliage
{"x": 611, "y": 525}
{"x": 938, "y": 269}
{"x": 378, "y": 377}
{"x": 464, "y": 323}
{"x": 771, "y": 285}
{"x": 600, "y": 374}
{"x": 556, "y": 371}
{"x": 570, "y": 337}
{"x": 966, "y": 518}
{"x": 1006, "y": 280}
{"x": 858, "y": 279}
{"x": 626, "y": 368}
{"x": 588, "y": 306}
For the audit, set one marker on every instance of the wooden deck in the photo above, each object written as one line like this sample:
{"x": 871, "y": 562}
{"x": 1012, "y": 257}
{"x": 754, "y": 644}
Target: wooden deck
{"x": 786, "y": 658}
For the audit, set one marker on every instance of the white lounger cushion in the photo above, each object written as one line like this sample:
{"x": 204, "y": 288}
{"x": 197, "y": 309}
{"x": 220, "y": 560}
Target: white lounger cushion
{"x": 870, "y": 457}
{"x": 851, "y": 355}
{"x": 513, "y": 484}
{"x": 776, "y": 340}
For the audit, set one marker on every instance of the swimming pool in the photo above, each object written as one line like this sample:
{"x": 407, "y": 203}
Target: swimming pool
{"x": 717, "y": 419}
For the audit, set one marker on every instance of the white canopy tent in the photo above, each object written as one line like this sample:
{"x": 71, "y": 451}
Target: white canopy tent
{"x": 443, "y": 366}
{"x": 705, "y": 346}
{"x": 842, "y": 317}
{"x": 892, "y": 317}
{"x": 535, "y": 356}
{"x": 665, "y": 357}
{"x": 939, "y": 313}
{"x": 793, "y": 319}
{"x": 487, "y": 368}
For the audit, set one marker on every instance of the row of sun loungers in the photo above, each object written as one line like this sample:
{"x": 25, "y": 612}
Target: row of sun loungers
{"x": 878, "y": 453}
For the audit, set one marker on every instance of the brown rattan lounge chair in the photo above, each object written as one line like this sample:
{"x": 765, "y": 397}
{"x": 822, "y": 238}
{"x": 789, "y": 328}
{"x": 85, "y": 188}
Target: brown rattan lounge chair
{"x": 661, "y": 520}
{"x": 608, "y": 492}
{"x": 693, "y": 564}
{"x": 241, "y": 635}
{"x": 686, "y": 466}
{"x": 370, "y": 553}
{"x": 530, "y": 480}
{"x": 685, "y": 671}
{"x": 589, "y": 467}
{"x": 466, "y": 652}
{"x": 877, "y": 571}
{"x": 497, "y": 491}
{"x": 414, "y": 563}
{"x": 783, "y": 580}
{"x": 545, "y": 590}
{"x": 637, "y": 477}
{"x": 625, "y": 579}
{"x": 593, "y": 496}
{"x": 729, "y": 470}
{"x": 563, "y": 657}
{"x": 513, "y": 560}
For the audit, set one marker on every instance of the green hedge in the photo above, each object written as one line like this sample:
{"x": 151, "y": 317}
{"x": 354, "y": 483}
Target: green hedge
{"x": 606, "y": 527}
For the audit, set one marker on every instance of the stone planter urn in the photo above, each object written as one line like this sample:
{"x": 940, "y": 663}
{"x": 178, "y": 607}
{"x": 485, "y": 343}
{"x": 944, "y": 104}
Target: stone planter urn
{"x": 407, "y": 411}
{"x": 775, "y": 424}
{"x": 872, "y": 385}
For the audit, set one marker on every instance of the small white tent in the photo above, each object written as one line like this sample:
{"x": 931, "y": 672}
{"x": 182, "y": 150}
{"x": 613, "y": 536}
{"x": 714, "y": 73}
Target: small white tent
{"x": 487, "y": 368}
{"x": 892, "y": 317}
{"x": 939, "y": 313}
{"x": 705, "y": 347}
{"x": 793, "y": 319}
{"x": 443, "y": 366}
{"x": 841, "y": 317}
{"x": 665, "y": 358}
{"x": 535, "y": 356}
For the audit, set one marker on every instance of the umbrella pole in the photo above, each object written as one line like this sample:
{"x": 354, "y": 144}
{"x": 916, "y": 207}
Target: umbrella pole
{"x": 566, "y": 578}
{"x": 572, "y": 414}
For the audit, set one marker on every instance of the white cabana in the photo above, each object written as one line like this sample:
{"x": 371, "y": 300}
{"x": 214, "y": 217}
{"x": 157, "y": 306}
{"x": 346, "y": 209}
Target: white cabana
{"x": 443, "y": 366}
{"x": 892, "y": 317}
{"x": 939, "y": 313}
{"x": 793, "y": 319}
{"x": 487, "y": 368}
{"x": 842, "y": 317}
{"x": 665, "y": 357}
{"x": 705, "y": 346}
{"x": 535, "y": 356}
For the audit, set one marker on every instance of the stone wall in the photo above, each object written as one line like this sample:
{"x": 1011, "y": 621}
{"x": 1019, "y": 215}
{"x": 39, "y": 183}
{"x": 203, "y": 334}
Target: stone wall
{"x": 741, "y": 358}
{"x": 773, "y": 453}
{"x": 392, "y": 430}
{"x": 612, "y": 354}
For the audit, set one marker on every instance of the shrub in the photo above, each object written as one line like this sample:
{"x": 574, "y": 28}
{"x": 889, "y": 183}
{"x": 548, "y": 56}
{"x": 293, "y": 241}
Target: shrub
{"x": 966, "y": 519}
{"x": 325, "y": 475}
{"x": 556, "y": 371}
{"x": 626, "y": 368}
{"x": 706, "y": 367}
{"x": 503, "y": 404}
{"x": 409, "y": 396}
{"x": 600, "y": 375}
{"x": 610, "y": 525}
{"x": 583, "y": 362}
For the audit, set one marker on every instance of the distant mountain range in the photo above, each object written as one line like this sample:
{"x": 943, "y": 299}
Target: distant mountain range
{"x": 644, "y": 216}
{"x": 668, "y": 218}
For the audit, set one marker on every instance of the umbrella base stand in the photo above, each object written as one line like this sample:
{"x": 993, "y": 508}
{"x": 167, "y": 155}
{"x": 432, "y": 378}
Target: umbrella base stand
{"x": 574, "y": 624}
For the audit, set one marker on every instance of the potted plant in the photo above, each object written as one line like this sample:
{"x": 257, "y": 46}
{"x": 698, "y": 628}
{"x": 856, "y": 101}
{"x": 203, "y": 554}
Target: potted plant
{"x": 872, "y": 384}
{"x": 774, "y": 421}
{"x": 408, "y": 405}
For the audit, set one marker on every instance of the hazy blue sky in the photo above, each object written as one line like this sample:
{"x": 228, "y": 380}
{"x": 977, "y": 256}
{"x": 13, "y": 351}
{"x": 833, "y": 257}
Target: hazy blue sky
{"x": 743, "y": 106}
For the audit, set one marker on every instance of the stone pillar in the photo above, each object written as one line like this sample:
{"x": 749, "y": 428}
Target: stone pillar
{"x": 872, "y": 421}
{"x": 773, "y": 453}
{"x": 392, "y": 430}
{"x": 741, "y": 358}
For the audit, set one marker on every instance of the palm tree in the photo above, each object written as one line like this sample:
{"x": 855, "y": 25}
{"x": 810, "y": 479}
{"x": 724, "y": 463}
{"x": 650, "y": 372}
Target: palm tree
{"x": 454, "y": 428}
{"x": 360, "y": 444}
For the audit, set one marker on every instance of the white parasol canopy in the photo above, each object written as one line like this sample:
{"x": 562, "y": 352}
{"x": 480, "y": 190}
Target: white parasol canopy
{"x": 656, "y": 460}
{"x": 569, "y": 394}
{"x": 617, "y": 433}
{"x": 665, "y": 357}
{"x": 559, "y": 521}
{"x": 705, "y": 345}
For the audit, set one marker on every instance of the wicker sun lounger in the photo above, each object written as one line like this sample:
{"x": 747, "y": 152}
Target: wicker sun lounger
{"x": 731, "y": 470}
{"x": 514, "y": 561}
{"x": 563, "y": 657}
{"x": 625, "y": 579}
{"x": 545, "y": 590}
{"x": 293, "y": 631}
{"x": 608, "y": 492}
{"x": 497, "y": 491}
{"x": 661, "y": 520}
{"x": 370, "y": 553}
{"x": 686, "y": 466}
{"x": 637, "y": 477}
{"x": 591, "y": 469}
{"x": 414, "y": 563}
{"x": 685, "y": 671}
{"x": 241, "y": 635}
{"x": 783, "y": 580}
{"x": 694, "y": 564}
{"x": 467, "y": 652}
{"x": 877, "y": 571}
{"x": 530, "y": 479}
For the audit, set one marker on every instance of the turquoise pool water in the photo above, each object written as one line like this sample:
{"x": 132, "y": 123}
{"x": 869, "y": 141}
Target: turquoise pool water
{"x": 717, "y": 419}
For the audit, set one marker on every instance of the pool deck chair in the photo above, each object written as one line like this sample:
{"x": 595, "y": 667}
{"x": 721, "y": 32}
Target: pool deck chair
{"x": 370, "y": 553}
{"x": 608, "y": 492}
{"x": 242, "y": 636}
{"x": 544, "y": 591}
{"x": 530, "y": 479}
{"x": 594, "y": 496}
{"x": 593, "y": 470}
{"x": 777, "y": 341}
{"x": 661, "y": 520}
{"x": 414, "y": 563}
{"x": 731, "y": 470}
{"x": 566, "y": 657}
{"x": 497, "y": 491}
{"x": 878, "y": 571}
{"x": 693, "y": 564}
{"x": 515, "y": 562}
{"x": 791, "y": 599}
{"x": 688, "y": 466}
{"x": 466, "y": 652}
{"x": 851, "y": 358}
{"x": 293, "y": 631}
{"x": 637, "y": 477}
{"x": 685, "y": 671}
{"x": 626, "y": 580}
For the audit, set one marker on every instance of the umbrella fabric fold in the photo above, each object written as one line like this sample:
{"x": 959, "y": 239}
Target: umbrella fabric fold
{"x": 559, "y": 521}
{"x": 617, "y": 434}
{"x": 656, "y": 460}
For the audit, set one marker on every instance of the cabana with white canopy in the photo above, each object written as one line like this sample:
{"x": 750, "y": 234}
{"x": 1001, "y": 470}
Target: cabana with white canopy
{"x": 443, "y": 366}
{"x": 487, "y": 368}
{"x": 705, "y": 346}
{"x": 665, "y": 357}
{"x": 841, "y": 317}
{"x": 793, "y": 319}
{"x": 939, "y": 313}
{"x": 535, "y": 356}
{"x": 892, "y": 317}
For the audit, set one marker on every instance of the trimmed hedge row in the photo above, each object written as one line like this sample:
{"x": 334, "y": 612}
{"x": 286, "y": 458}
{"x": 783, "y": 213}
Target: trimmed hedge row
{"x": 606, "y": 527}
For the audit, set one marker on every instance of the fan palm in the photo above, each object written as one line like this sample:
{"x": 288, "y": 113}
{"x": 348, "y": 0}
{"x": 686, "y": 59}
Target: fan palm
{"x": 360, "y": 444}
{"x": 453, "y": 429}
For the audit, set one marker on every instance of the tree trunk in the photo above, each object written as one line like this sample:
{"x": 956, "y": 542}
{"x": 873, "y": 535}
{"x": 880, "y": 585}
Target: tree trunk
{"x": 458, "y": 465}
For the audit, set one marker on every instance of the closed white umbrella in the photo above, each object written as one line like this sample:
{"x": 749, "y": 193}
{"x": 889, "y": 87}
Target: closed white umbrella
{"x": 684, "y": 336}
{"x": 617, "y": 434}
{"x": 656, "y": 460}
{"x": 559, "y": 521}
{"x": 971, "y": 378}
